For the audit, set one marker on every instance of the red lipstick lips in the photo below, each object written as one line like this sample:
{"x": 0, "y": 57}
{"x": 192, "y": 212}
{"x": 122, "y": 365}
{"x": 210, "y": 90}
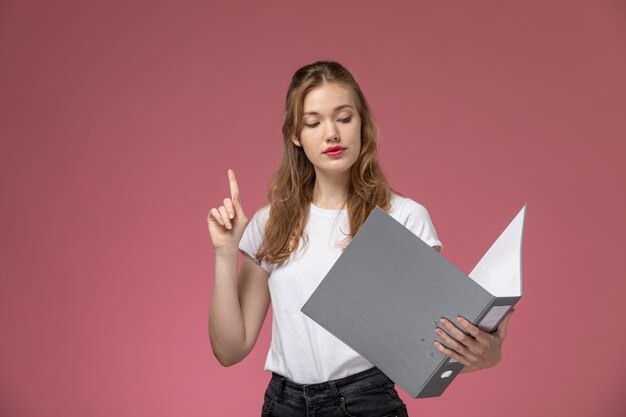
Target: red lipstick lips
{"x": 334, "y": 149}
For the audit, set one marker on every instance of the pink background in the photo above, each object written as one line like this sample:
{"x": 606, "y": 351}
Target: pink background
{"x": 120, "y": 119}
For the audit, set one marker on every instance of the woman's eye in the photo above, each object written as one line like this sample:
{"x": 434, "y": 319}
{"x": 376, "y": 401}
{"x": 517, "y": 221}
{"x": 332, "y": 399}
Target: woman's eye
{"x": 344, "y": 120}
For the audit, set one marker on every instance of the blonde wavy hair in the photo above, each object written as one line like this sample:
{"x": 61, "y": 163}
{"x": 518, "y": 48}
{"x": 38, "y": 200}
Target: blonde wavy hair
{"x": 291, "y": 188}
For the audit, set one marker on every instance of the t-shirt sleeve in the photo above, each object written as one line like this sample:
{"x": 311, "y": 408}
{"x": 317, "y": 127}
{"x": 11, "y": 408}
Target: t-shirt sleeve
{"x": 253, "y": 236}
{"x": 415, "y": 217}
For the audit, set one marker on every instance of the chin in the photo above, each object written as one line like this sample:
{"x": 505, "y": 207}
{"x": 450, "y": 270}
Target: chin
{"x": 336, "y": 169}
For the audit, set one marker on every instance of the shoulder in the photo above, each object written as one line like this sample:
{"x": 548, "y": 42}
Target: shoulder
{"x": 415, "y": 217}
{"x": 403, "y": 208}
{"x": 256, "y": 223}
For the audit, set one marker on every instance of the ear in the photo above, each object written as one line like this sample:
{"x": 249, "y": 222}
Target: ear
{"x": 295, "y": 141}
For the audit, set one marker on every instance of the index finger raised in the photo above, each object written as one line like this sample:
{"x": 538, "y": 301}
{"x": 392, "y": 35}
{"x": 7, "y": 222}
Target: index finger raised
{"x": 234, "y": 188}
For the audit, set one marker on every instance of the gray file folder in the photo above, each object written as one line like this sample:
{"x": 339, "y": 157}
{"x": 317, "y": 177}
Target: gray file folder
{"x": 385, "y": 294}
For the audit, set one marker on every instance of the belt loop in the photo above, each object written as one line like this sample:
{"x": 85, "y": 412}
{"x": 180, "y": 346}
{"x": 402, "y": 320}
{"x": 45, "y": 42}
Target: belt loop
{"x": 280, "y": 389}
{"x": 333, "y": 388}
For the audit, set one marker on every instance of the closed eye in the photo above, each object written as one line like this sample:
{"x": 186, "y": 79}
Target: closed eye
{"x": 344, "y": 120}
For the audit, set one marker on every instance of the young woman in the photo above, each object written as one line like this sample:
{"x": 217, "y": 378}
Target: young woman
{"x": 327, "y": 183}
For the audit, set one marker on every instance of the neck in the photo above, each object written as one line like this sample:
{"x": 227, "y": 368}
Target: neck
{"x": 331, "y": 191}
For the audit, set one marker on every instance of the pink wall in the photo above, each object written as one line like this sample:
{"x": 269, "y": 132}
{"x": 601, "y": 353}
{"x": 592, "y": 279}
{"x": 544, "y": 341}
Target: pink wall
{"x": 118, "y": 121}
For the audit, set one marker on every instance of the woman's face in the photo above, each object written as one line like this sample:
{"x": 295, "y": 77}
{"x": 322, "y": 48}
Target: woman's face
{"x": 330, "y": 119}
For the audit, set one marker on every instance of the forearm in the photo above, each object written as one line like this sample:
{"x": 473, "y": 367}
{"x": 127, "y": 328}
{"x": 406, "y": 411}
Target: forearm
{"x": 226, "y": 325}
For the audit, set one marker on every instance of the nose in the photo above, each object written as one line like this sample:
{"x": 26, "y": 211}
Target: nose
{"x": 331, "y": 133}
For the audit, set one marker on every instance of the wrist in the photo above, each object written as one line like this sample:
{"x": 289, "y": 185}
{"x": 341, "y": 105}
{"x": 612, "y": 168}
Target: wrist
{"x": 226, "y": 251}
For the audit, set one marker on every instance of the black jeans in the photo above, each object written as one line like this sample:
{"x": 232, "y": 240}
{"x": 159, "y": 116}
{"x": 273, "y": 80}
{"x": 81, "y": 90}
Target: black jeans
{"x": 369, "y": 393}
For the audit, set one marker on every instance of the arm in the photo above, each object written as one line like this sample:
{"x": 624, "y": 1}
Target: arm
{"x": 238, "y": 304}
{"x": 238, "y": 307}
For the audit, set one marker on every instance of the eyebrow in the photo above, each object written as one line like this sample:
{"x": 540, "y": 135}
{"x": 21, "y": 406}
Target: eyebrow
{"x": 336, "y": 108}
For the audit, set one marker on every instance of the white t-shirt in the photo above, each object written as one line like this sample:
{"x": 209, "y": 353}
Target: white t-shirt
{"x": 301, "y": 349}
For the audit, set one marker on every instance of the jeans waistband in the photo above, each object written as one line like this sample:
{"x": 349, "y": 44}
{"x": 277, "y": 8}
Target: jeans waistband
{"x": 281, "y": 386}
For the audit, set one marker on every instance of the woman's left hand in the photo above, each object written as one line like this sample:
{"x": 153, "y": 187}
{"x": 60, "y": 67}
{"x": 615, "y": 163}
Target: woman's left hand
{"x": 476, "y": 349}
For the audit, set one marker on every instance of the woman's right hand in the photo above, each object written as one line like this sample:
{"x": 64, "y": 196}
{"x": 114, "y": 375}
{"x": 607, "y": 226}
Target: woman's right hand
{"x": 227, "y": 222}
